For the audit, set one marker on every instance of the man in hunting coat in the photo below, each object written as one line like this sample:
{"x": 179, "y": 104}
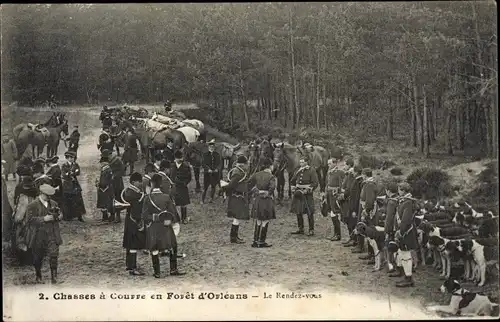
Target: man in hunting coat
{"x": 211, "y": 165}
{"x": 43, "y": 217}
{"x": 105, "y": 142}
{"x": 105, "y": 193}
{"x": 304, "y": 181}
{"x": 158, "y": 215}
{"x": 9, "y": 155}
{"x": 118, "y": 169}
{"x": 149, "y": 170}
{"x": 406, "y": 234}
{"x": 54, "y": 172}
{"x": 368, "y": 209}
{"x": 130, "y": 149}
{"x": 391, "y": 207}
{"x": 353, "y": 194}
{"x": 263, "y": 184}
{"x": 134, "y": 237}
{"x": 157, "y": 160}
{"x": 334, "y": 179}
{"x": 168, "y": 152}
{"x": 344, "y": 197}
{"x": 237, "y": 190}
{"x": 181, "y": 175}
{"x": 105, "y": 117}
{"x": 74, "y": 140}
{"x": 73, "y": 205}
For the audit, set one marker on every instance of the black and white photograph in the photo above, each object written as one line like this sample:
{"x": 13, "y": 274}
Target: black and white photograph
{"x": 250, "y": 161}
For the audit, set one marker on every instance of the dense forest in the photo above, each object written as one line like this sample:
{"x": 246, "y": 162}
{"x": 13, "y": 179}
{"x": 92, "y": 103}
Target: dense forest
{"x": 427, "y": 70}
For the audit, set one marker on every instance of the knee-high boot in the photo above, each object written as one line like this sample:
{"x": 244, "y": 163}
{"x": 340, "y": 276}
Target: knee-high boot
{"x": 156, "y": 265}
{"x": 300, "y": 224}
{"x": 263, "y": 236}
{"x": 360, "y": 246}
{"x": 256, "y": 235}
{"x": 234, "y": 235}
{"x": 174, "y": 271}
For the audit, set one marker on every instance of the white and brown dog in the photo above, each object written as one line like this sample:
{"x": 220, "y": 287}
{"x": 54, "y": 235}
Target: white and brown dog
{"x": 465, "y": 303}
{"x": 439, "y": 243}
{"x": 376, "y": 238}
{"x": 476, "y": 251}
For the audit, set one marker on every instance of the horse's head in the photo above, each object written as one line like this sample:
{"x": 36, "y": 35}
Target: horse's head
{"x": 278, "y": 154}
{"x": 65, "y": 127}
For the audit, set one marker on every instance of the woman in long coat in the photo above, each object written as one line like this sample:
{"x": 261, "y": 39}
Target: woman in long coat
{"x": 105, "y": 188}
{"x": 72, "y": 205}
{"x": 181, "y": 175}
{"x": 263, "y": 184}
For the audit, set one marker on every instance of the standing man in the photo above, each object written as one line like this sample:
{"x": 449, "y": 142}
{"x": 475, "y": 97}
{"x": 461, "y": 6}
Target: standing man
{"x": 211, "y": 165}
{"x": 304, "y": 182}
{"x": 407, "y": 235}
{"x": 168, "y": 152}
{"x": 157, "y": 161}
{"x": 391, "y": 207}
{"x": 237, "y": 190}
{"x": 118, "y": 169}
{"x": 355, "y": 213}
{"x": 105, "y": 142}
{"x": 149, "y": 170}
{"x": 105, "y": 188}
{"x": 130, "y": 149}
{"x": 344, "y": 196}
{"x": 54, "y": 172}
{"x": 9, "y": 155}
{"x": 134, "y": 237}
{"x": 74, "y": 140}
{"x": 334, "y": 179}
{"x": 181, "y": 175}
{"x": 72, "y": 192}
{"x": 105, "y": 118}
{"x": 43, "y": 218}
{"x": 263, "y": 184}
{"x": 158, "y": 215}
{"x": 368, "y": 208}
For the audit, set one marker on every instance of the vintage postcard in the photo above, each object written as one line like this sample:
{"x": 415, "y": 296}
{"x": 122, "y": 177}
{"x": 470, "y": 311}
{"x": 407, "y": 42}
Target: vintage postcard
{"x": 249, "y": 161}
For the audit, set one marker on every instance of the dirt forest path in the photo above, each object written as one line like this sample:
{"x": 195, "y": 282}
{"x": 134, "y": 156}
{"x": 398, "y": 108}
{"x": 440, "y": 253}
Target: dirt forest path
{"x": 92, "y": 253}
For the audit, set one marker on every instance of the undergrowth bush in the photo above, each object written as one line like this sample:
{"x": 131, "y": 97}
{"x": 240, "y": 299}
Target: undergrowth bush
{"x": 430, "y": 183}
{"x": 372, "y": 162}
{"x": 485, "y": 195}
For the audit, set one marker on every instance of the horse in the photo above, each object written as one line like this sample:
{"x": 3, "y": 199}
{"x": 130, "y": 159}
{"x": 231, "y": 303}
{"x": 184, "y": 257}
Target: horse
{"x": 167, "y": 120}
{"x": 226, "y": 152}
{"x": 198, "y": 125}
{"x": 319, "y": 161}
{"x": 54, "y": 138}
{"x": 191, "y": 134}
{"x": 194, "y": 156}
{"x": 154, "y": 137}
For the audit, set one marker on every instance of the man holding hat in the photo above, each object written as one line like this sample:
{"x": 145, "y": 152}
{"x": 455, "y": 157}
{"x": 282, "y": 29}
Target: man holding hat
{"x": 118, "y": 170}
{"x": 72, "y": 192}
{"x": 158, "y": 214}
{"x": 54, "y": 172}
{"x": 237, "y": 190}
{"x": 133, "y": 234}
{"x": 303, "y": 183}
{"x": 9, "y": 155}
{"x": 74, "y": 140}
{"x": 43, "y": 217}
{"x": 181, "y": 175}
{"x": 211, "y": 165}
{"x": 105, "y": 188}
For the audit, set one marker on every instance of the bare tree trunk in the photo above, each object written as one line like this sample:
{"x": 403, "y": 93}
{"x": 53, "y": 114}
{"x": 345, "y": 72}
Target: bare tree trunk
{"x": 293, "y": 82}
{"x": 432, "y": 109}
{"x": 413, "y": 112}
{"x": 418, "y": 118}
{"x": 426, "y": 123}
{"x": 449, "y": 139}
{"x": 390, "y": 120}
{"x": 244, "y": 97}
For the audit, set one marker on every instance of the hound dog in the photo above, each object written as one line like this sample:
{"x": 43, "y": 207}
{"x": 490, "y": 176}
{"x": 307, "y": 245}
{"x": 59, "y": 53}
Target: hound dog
{"x": 376, "y": 237}
{"x": 477, "y": 251}
{"x": 439, "y": 243}
{"x": 465, "y": 303}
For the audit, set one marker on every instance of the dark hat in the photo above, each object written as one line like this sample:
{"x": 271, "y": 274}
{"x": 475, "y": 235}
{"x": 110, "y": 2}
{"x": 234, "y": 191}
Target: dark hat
{"x": 266, "y": 163}
{"x": 349, "y": 162}
{"x": 367, "y": 172}
{"x": 211, "y": 142}
{"x": 136, "y": 176}
{"x": 38, "y": 168}
{"x": 404, "y": 186}
{"x": 392, "y": 187}
{"x": 40, "y": 160}
{"x": 164, "y": 164}
{"x": 358, "y": 169}
{"x": 149, "y": 167}
{"x": 43, "y": 179}
{"x": 158, "y": 156}
{"x": 103, "y": 137}
{"x": 242, "y": 159}
{"x": 24, "y": 170}
{"x": 178, "y": 154}
{"x": 70, "y": 154}
{"x": 54, "y": 159}
{"x": 27, "y": 182}
{"x": 156, "y": 179}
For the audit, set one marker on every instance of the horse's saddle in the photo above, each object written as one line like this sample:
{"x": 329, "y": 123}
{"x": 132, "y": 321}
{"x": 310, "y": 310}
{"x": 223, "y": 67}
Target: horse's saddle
{"x": 39, "y": 128}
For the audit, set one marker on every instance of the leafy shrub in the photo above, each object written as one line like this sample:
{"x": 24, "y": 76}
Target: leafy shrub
{"x": 430, "y": 183}
{"x": 396, "y": 171}
{"x": 372, "y": 162}
{"x": 485, "y": 194}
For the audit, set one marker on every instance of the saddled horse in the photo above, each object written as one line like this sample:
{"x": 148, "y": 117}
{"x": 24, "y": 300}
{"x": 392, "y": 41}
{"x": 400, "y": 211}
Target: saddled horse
{"x": 194, "y": 156}
{"x": 55, "y": 137}
{"x": 191, "y": 134}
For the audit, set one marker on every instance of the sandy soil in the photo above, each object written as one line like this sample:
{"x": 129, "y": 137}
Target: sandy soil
{"x": 92, "y": 254}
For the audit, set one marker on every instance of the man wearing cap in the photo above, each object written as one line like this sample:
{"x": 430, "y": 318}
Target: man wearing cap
{"x": 130, "y": 150}
{"x": 406, "y": 234}
{"x": 334, "y": 179}
{"x": 368, "y": 208}
{"x": 304, "y": 181}
{"x": 149, "y": 170}
{"x": 158, "y": 214}
{"x": 6, "y": 210}
{"x": 74, "y": 140}
{"x": 134, "y": 237}
{"x": 168, "y": 152}
{"x": 105, "y": 117}
{"x": 38, "y": 169}
{"x": 72, "y": 192}
{"x": 157, "y": 160}
{"x": 237, "y": 190}
{"x": 181, "y": 175}
{"x": 105, "y": 142}
{"x": 54, "y": 172}
{"x": 118, "y": 169}
{"x": 391, "y": 206}
{"x": 211, "y": 165}
{"x": 355, "y": 212}
{"x": 9, "y": 155}
{"x": 263, "y": 184}
{"x": 105, "y": 188}
{"x": 43, "y": 217}
{"x": 24, "y": 167}
{"x": 344, "y": 196}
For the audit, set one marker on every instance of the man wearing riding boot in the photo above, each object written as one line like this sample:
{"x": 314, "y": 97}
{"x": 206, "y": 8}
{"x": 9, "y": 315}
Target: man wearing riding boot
{"x": 368, "y": 209}
{"x": 181, "y": 175}
{"x": 134, "y": 237}
{"x": 345, "y": 200}
{"x": 43, "y": 217}
{"x": 334, "y": 179}
{"x": 237, "y": 192}
{"x": 72, "y": 201}
{"x": 211, "y": 165}
{"x": 304, "y": 182}
{"x": 354, "y": 211}
{"x": 105, "y": 193}
{"x": 130, "y": 150}
{"x": 168, "y": 187}
{"x": 406, "y": 234}
{"x": 168, "y": 152}
{"x": 74, "y": 140}
{"x": 263, "y": 184}
{"x": 158, "y": 214}
{"x": 391, "y": 207}
{"x": 118, "y": 170}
